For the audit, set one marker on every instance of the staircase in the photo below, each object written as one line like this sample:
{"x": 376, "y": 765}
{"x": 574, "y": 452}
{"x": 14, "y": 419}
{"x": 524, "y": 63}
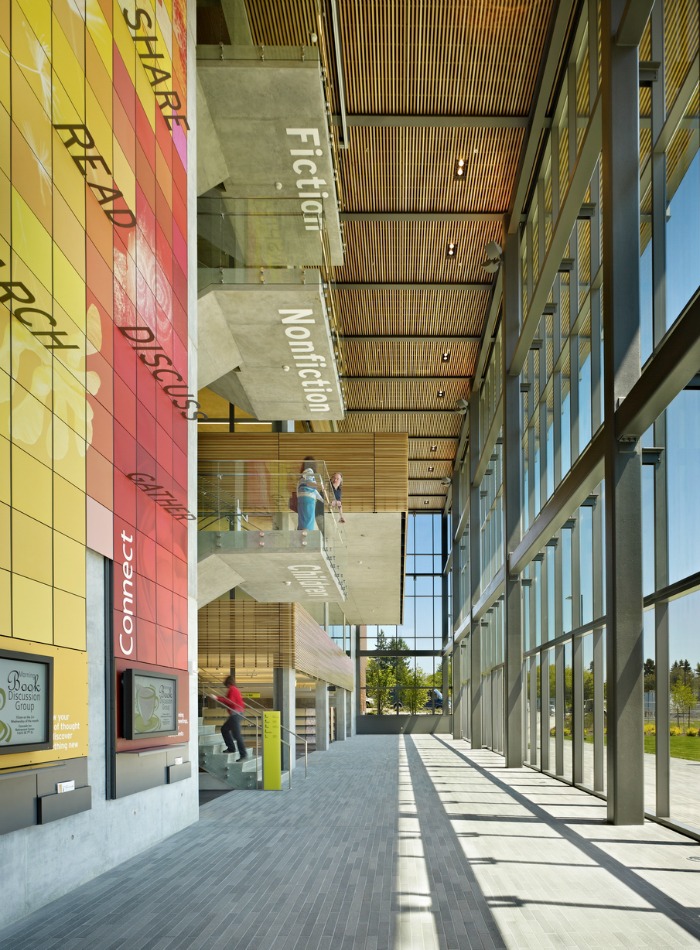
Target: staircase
{"x": 222, "y": 765}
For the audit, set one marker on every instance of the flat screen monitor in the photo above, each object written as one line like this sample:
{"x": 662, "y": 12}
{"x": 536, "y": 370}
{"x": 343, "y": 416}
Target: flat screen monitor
{"x": 150, "y": 704}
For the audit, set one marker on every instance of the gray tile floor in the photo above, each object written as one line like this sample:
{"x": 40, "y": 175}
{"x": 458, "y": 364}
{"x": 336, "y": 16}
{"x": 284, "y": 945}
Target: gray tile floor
{"x": 392, "y": 843}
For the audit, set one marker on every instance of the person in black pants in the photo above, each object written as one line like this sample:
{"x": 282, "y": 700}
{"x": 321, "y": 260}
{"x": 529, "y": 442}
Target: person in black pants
{"x": 231, "y": 729}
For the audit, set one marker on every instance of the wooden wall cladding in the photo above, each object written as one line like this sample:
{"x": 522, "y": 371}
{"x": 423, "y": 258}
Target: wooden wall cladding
{"x": 317, "y": 655}
{"x": 243, "y": 633}
{"x": 374, "y": 465}
{"x": 247, "y": 635}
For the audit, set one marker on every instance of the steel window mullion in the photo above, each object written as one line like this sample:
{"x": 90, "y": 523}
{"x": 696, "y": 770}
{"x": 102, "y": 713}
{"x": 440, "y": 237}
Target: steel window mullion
{"x": 598, "y": 712}
{"x": 559, "y": 708}
{"x": 661, "y": 620}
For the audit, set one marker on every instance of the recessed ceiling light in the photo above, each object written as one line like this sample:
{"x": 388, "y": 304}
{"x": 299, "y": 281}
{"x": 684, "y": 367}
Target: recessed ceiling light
{"x": 451, "y": 249}
{"x": 426, "y": 502}
{"x": 460, "y": 169}
{"x": 446, "y": 356}
{"x": 431, "y": 468}
{"x": 441, "y": 393}
{"x": 433, "y": 448}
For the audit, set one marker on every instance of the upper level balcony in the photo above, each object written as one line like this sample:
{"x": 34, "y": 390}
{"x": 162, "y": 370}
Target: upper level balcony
{"x": 265, "y": 341}
{"x": 250, "y": 537}
{"x": 264, "y": 144}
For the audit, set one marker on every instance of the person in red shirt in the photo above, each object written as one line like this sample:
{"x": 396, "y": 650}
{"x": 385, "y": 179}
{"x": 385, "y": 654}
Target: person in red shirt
{"x": 231, "y": 729}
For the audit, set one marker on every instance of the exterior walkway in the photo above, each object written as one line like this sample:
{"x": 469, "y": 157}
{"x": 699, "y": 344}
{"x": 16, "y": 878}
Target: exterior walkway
{"x": 392, "y": 843}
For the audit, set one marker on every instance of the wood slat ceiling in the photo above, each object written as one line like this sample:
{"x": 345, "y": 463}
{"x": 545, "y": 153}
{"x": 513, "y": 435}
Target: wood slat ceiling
{"x": 413, "y": 58}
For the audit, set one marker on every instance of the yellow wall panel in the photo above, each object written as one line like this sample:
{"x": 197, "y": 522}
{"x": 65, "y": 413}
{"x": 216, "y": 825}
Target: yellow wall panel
{"x": 29, "y": 52}
{"x": 69, "y": 620}
{"x": 31, "y": 486}
{"x": 5, "y": 538}
{"x": 68, "y": 67}
{"x": 30, "y": 240}
{"x": 33, "y": 121}
{"x": 4, "y": 398}
{"x": 31, "y": 361}
{"x": 68, "y": 180}
{"x": 68, "y": 509}
{"x": 4, "y": 71}
{"x": 4, "y": 122}
{"x": 31, "y": 548}
{"x": 72, "y": 23}
{"x": 101, "y": 131}
{"x": 69, "y": 454}
{"x": 69, "y": 565}
{"x": 69, "y": 399}
{"x": 32, "y": 610}
{"x": 72, "y": 360}
{"x": 5, "y": 470}
{"x": 32, "y": 180}
{"x": 64, "y": 111}
{"x": 99, "y": 32}
{"x": 5, "y": 604}
{"x": 38, "y": 15}
{"x": 5, "y": 336}
{"x": 5, "y": 204}
{"x": 32, "y": 426}
{"x": 99, "y": 80}
{"x": 68, "y": 233}
{"x": 69, "y": 287}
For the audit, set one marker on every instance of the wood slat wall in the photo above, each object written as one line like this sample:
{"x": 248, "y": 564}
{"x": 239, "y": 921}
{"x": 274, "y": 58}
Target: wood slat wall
{"x": 243, "y": 634}
{"x": 317, "y": 655}
{"x": 367, "y": 461}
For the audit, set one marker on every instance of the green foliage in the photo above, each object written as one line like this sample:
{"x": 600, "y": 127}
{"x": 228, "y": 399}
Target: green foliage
{"x": 682, "y": 698}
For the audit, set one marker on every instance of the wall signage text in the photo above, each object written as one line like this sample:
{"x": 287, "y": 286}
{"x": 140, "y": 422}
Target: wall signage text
{"x": 83, "y": 143}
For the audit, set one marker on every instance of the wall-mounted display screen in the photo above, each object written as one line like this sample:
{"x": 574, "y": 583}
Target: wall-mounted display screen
{"x": 26, "y": 702}
{"x": 149, "y": 704}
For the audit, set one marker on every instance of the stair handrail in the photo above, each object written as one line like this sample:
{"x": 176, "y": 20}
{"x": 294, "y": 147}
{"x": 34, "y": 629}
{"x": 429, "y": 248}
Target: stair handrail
{"x": 256, "y": 723}
{"x": 213, "y": 684}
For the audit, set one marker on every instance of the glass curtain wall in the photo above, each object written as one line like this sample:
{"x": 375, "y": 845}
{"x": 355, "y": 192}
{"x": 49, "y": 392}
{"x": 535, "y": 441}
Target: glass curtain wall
{"x": 560, "y": 561}
{"x": 403, "y": 666}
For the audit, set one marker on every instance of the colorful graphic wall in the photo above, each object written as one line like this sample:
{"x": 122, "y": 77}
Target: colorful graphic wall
{"x": 94, "y": 397}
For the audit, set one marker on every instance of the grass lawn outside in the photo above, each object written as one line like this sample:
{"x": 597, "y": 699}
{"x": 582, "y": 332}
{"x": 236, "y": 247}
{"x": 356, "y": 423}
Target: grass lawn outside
{"x": 682, "y": 747}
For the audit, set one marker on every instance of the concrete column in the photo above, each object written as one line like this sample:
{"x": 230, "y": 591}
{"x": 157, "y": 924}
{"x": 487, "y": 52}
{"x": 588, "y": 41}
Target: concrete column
{"x": 512, "y": 500}
{"x": 341, "y": 714}
{"x": 322, "y": 717}
{"x": 352, "y": 716}
{"x": 623, "y": 472}
{"x": 284, "y": 698}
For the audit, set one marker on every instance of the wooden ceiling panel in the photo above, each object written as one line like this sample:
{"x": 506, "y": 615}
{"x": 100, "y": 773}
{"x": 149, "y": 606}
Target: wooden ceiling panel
{"x": 431, "y": 449}
{"x": 408, "y": 358}
{"x": 442, "y": 58}
{"x": 388, "y": 312}
{"x": 416, "y": 252}
{"x": 397, "y": 394}
{"x": 429, "y": 470}
{"x": 412, "y": 169}
{"x": 414, "y": 424}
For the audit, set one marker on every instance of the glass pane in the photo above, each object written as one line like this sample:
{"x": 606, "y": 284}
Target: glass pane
{"x": 684, "y": 679}
{"x": 683, "y": 453}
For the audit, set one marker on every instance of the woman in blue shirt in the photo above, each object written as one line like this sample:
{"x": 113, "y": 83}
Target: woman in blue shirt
{"x": 307, "y": 495}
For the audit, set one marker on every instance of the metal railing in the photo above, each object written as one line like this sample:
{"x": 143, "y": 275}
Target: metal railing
{"x": 207, "y": 687}
{"x": 259, "y": 494}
